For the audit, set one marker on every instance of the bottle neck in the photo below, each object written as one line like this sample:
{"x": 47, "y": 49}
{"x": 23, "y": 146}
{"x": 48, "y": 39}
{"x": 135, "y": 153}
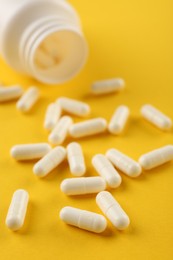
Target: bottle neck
{"x": 69, "y": 46}
{"x": 43, "y": 21}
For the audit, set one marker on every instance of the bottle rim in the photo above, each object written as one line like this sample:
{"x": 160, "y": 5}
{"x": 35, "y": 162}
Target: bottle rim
{"x": 37, "y": 33}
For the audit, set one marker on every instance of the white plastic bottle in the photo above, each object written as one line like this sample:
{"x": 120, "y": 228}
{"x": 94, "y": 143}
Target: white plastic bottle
{"x": 42, "y": 38}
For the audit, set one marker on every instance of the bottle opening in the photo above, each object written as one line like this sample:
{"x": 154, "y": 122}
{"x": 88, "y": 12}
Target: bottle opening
{"x": 58, "y": 57}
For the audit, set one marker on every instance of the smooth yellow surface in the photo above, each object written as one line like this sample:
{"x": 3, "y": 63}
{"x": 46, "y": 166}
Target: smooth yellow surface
{"x": 128, "y": 39}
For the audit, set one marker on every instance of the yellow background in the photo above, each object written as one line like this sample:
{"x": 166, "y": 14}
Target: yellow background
{"x": 129, "y": 39}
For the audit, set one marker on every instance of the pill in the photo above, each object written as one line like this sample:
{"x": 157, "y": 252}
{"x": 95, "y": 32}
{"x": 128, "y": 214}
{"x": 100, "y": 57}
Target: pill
{"x": 76, "y": 159}
{"x": 74, "y": 107}
{"x": 156, "y": 117}
{"x": 50, "y": 46}
{"x": 83, "y": 185}
{"x": 156, "y": 157}
{"x": 44, "y": 59}
{"x": 60, "y": 131}
{"x": 52, "y": 116}
{"x": 10, "y": 93}
{"x": 107, "y": 86}
{"x": 119, "y": 120}
{"x": 83, "y": 219}
{"x": 112, "y": 210}
{"x": 88, "y": 127}
{"x": 28, "y": 99}
{"x": 17, "y": 210}
{"x": 106, "y": 170}
{"x": 124, "y": 163}
{"x": 29, "y": 151}
{"x": 50, "y": 161}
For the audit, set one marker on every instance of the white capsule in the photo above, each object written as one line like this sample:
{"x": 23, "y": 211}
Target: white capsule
{"x": 83, "y": 219}
{"x": 10, "y": 93}
{"x": 29, "y": 151}
{"x": 107, "y": 86}
{"x": 156, "y": 157}
{"x": 28, "y": 99}
{"x": 76, "y": 159}
{"x": 44, "y": 59}
{"x": 52, "y": 116}
{"x": 106, "y": 170}
{"x": 83, "y": 185}
{"x": 50, "y": 46}
{"x": 74, "y": 107}
{"x": 60, "y": 131}
{"x": 88, "y": 127}
{"x": 156, "y": 117}
{"x": 119, "y": 120}
{"x": 124, "y": 163}
{"x": 112, "y": 210}
{"x": 50, "y": 161}
{"x": 17, "y": 210}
